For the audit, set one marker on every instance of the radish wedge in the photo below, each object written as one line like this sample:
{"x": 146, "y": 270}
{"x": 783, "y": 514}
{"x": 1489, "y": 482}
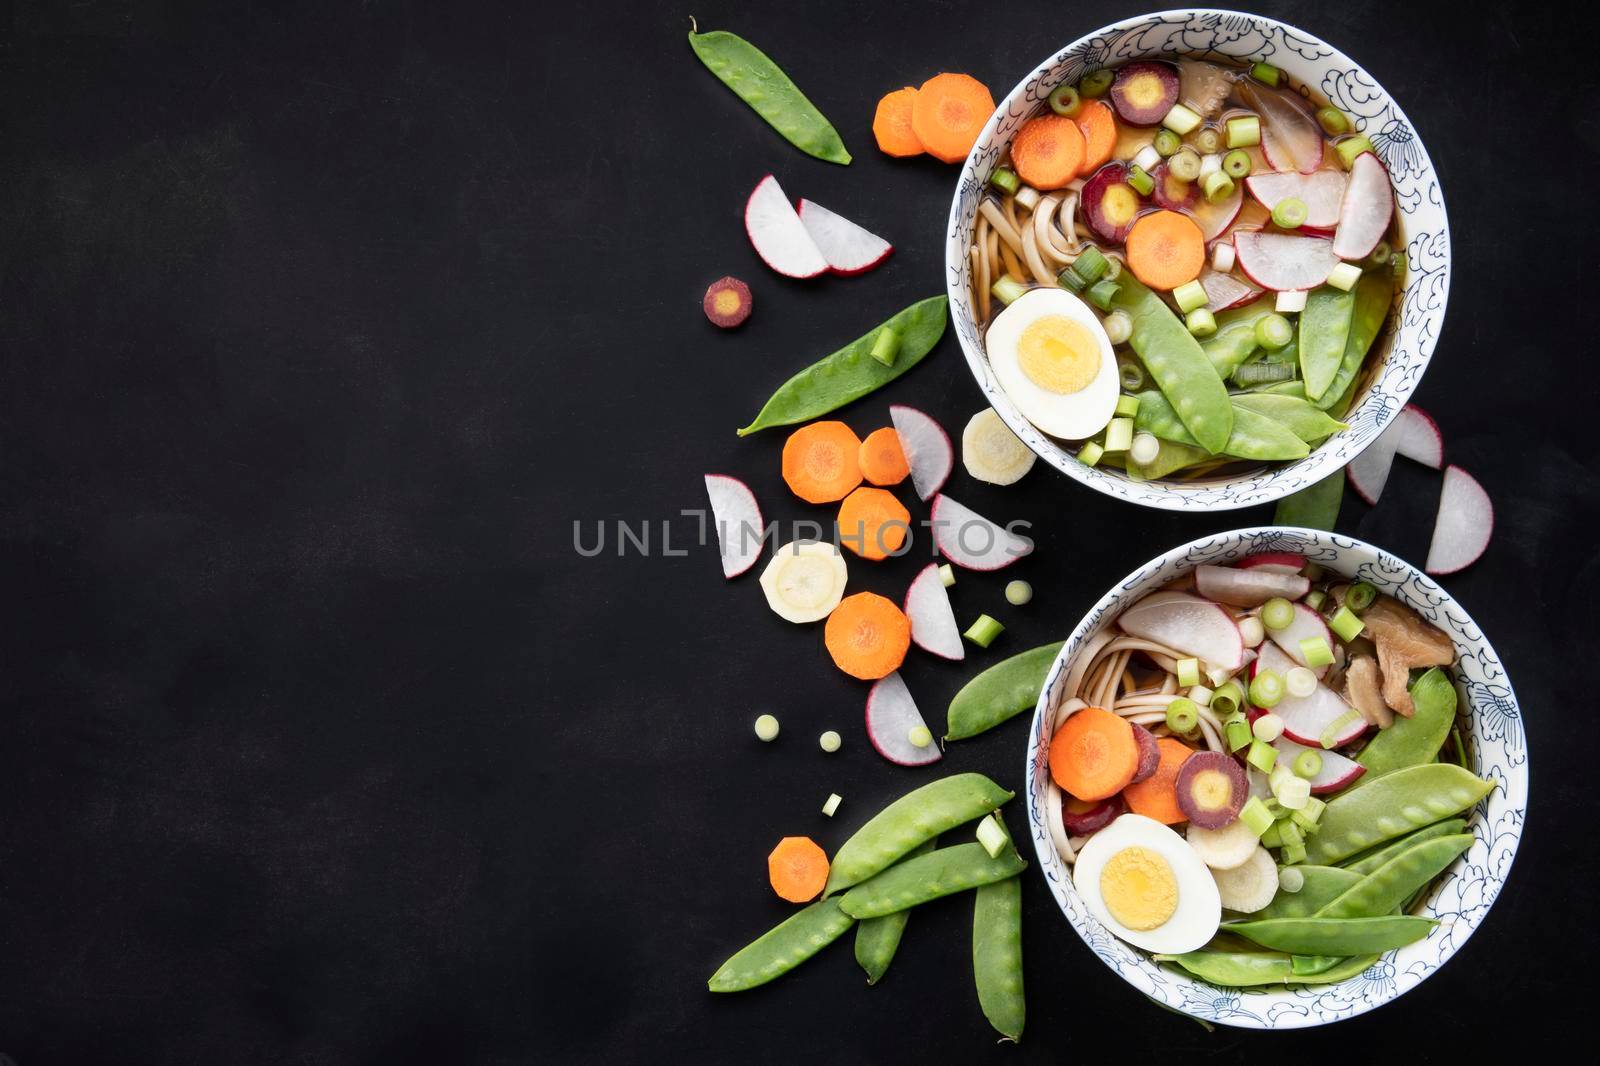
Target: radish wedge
{"x": 1369, "y": 471}
{"x": 1225, "y": 292}
{"x": 1188, "y": 624}
{"x": 1418, "y": 436}
{"x": 1282, "y": 562}
{"x": 738, "y": 519}
{"x": 891, "y": 716}
{"x": 1465, "y": 523}
{"x": 1306, "y": 625}
{"x": 778, "y": 235}
{"x": 933, "y": 623}
{"x": 1283, "y": 263}
{"x": 1290, "y": 138}
{"x": 1322, "y": 193}
{"x": 1413, "y": 434}
{"x": 1248, "y": 588}
{"x": 848, "y": 248}
{"x": 1337, "y": 771}
{"x": 1271, "y": 657}
{"x": 927, "y": 448}
{"x": 972, "y": 541}
{"x": 1306, "y": 718}
{"x": 1366, "y": 209}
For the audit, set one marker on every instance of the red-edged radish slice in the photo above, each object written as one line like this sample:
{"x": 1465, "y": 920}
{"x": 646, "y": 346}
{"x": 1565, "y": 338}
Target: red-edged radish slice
{"x": 1283, "y": 263}
{"x": 1282, "y": 562}
{"x": 1465, "y": 523}
{"x": 1418, "y": 436}
{"x": 1248, "y": 588}
{"x": 891, "y": 716}
{"x": 1337, "y": 771}
{"x": 778, "y": 235}
{"x": 1322, "y": 193}
{"x": 1225, "y": 292}
{"x": 1366, "y": 209}
{"x": 1188, "y": 624}
{"x": 970, "y": 540}
{"x": 1290, "y": 138}
{"x": 1214, "y": 219}
{"x": 848, "y": 248}
{"x": 1271, "y": 657}
{"x": 933, "y": 622}
{"x": 1306, "y": 719}
{"x": 1369, "y": 471}
{"x": 1307, "y": 624}
{"x": 927, "y": 448}
{"x": 738, "y": 519}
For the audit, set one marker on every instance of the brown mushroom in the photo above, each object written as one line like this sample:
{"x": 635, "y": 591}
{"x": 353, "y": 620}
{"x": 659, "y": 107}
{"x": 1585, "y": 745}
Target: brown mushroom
{"x": 1404, "y": 641}
{"x": 1361, "y": 691}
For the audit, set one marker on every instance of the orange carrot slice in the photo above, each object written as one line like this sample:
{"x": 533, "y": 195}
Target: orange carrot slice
{"x": 948, "y": 114}
{"x": 891, "y": 124}
{"x": 798, "y": 869}
{"x": 1094, "y": 755}
{"x": 872, "y": 523}
{"x": 1166, "y": 249}
{"x": 883, "y": 461}
{"x": 1157, "y": 795}
{"x": 867, "y": 636}
{"x": 1099, "y": 128}
{"x": 1047, "y": 151}
{"x": 822, "y": 462}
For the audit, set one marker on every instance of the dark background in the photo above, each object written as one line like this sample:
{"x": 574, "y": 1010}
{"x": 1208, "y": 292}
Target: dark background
{"x": 322, "y": 325}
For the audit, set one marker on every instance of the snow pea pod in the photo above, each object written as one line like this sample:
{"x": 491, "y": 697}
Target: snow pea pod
{"x": 1296, "y": 388}
{"x": 763, "y": 85}
{"x": 997, "y": 952}
{"x": 1006, "y": 689}
{"x": 1334, "y": 936}
{"x": 927, "y": 877}
{"x": 1373, "y": 295}
{"x": 1178, "y": 364}
{"x": 877, "y": 939}
{"x": 1394, "y": 804}
{"x": 1395, "y": 881}
{"x": 913, "y": 819}
{"x": 1254, "y": 436}
{"x": 1311, "y": 965}
{"x": 851, "y": 372}
{"x": 1234, "y": 342}
{"x": 782, "y": 947}
{"x": 1374, "y": 859}
{"x": 1246, "y": 969}
{"x": 1415, "y": 740}
{"x": 1295, "y": 414}
{"x": 1324, "y": 331}
{"x": 1171, "y": 458}
{"x": 1315, "y": 507}
{"x": 1323, "y": 885}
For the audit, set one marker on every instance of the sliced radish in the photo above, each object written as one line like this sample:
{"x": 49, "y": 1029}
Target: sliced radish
{"x": 738, "y": 518}
{"x": 1366, "y": 209}
{"x": 1465, "y": 523}
{"x": 1248, "y": 588}
{"x": 933, "y": 622}
{"x": 1282, "y": 562}
{"x": 927, "y": 448}
{"x": 1306, "y": 625}
{"x": 1369, "y": 471}
{"x": 1188, "y": 624}
{"x": 778, "y": 235}
{"x": 891, "y": 716}
{"x": 1214, "y": 219}
{"x": 1271, "y": 657}
{"x": 970, "y": 540}
{"x": 1322, "y": 193}
{"x": 1307, "y": 718}
{"x": 1337, "y": 771}
{"x": 1418, "y": 437}
{"x": 1290, "y": 138}
{"x": 1283, "y": 263}
{"x": 848, "y": 248}
{"x": 1224, "y": 291}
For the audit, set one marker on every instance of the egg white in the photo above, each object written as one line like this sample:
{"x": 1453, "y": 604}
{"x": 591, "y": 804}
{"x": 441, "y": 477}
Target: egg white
{"x": 1073, "y": 417}
{"x": 1199, "y": 910}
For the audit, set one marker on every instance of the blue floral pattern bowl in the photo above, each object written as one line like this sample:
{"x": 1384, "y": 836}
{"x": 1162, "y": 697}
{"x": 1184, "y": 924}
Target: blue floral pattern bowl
{"x": 1231, "y": 35}
{"x": 1464, "y": 893}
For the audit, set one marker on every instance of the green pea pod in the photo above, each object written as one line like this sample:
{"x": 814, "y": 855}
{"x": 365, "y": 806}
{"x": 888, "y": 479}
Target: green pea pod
{"x": 1158, "y": 417}
{"x": 763, "y": 85}
{"x": 913, "y": 819}
{"x": 1178, "y": 364}
{"x": 1006, "y": 689}
{"x": 1296, "y": 388}
{"x": 928, "y": 877}
{"x": 1254, "y": 436}
{"x": 1334, "y": 936}
{"x": 1323, "y": 885}
{"x": 1369, "y": 862}
{"x": 851, "y": 372}
{"x": 1169, "y": 460}
{"x": 1391, "y": 806}
{"x": 1234, "y": 342}
{"x": 997, "y": 955}
{"x": 1415, "y": 740}
{"x": 1296, "y": 414}
{"x": 1391, "y": 884}
{"x": 1373, "y": 295}
{"x": 1315, "y": 507}
{"x": 1324, "y": 329}
{"x": 783, "y": 947}
{"x": 877, "y": 939}
{"x": 1311, "y": 965}
{"x": 1247, "y": 969}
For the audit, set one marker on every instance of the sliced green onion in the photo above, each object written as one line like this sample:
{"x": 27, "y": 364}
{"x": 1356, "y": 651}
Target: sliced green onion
{"x": 767, "y": 727}
{"x": 1008, "y": 289}
{"x": 1316, "y": 652}
{"x": 1180, "y": 120}
{"x": 1313, "y": 572}
{"x": 886, "y": 347}
{"x": 1201, "y": 322}
{"x": 1290, "y": 301}
{"x": 1352, "y": 148}
{"x": 831, "y": 806}
{"x": 1237, "y": 735}
{"x": 919, "y": 736}
{"x": 1330, "y": 735}
{"x": 1210, "y": 163}
{"x": 1344, "y": 276}
{"x": 1252, "y": 631}
{"x": 1091, "y": 265}
{"x": 1200, "y": 694}
{"x": 1291, "y": 855}
{"x": 1290, "y": 213}
{"x": 1307, "y": 764}
{"x": 1127, "y": 406}
{"x": 1131, "y": 373}
{"x": 1096, "y": 83}
{"x": 1262, "y": 756}
{"x": 1255, "y": 816}
{"x": 1119, "y": 434}
{"x": 1290, "y": 834}
{"x": 947, "y": 576}
{"x": 983, "y": 631}
{"x": 1360, "y": 596}
{"x": 1145, "y": 449}
{"x": 1018, "y": 593}
{"x": 1189, "y": 295}
{"x": 1208, "y": 139}
{"x": 993, "y": 838}
{"x": 1167, "y": 143}
{"x": 1277, "y": 613}
{"x": 1333, "y": 121}
{"x": 1182, "y": 715}
{"x": 1188, "y": 673}
{"x": 1140, "y": 180}
{"x": 1262, "y": 372}
{"x": 1147, "y": 158}
{"x": 1292, "y": 793}
{"x": 1222, "y": 257}
{"x": 1346, "y": 625}
{"x": 1185, "y": 165}
{"x": 1266, "y": 74}
{"x": 1244, "y": 131}
{"x": 1071, "y": 280}
{"x": 1101, "y": 293}
{"x": 1118, "y": 326}
{"x": 1226, "y": 698}
{"x": 1272, "y": 838}
{"x": 1291, "y": 881}
{"x": 1315, "y": 598}
{"x": 1236, "y": 164}
{"x": 1005, "y": 179}
{"x": 1064, "y": 101}
{"x": 1090, "y": 453}
{"x": 1311, "y": 812}
{"x": 1381, "y": 256}
{"x": 1266, "y": 689}
{"x": 1300, "y": 682}
{"x": 1267, "y": 728}
{"x": 1028, "y": 197}
{"x": 1274, "y": 332}
{"x": 1217, "y": 187}
{"x": 830, "y": 741}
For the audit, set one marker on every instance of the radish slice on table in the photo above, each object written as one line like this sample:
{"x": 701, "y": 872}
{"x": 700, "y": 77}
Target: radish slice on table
{"x": 1369, "y": 471}
{"x": 1283, "y": 263}
{"x": 738, "y": 519}
{"x": 1282, "y": 562}
{"x": 891, "y": 716}
{"x": 1337, "y": 771}
{"x": 1290, "y": 138}
{"x": 970, "y": 540}
{"x": 1248, "y": 588}
{"x": 1366, "y": 209}
{"x": 927, "y": 448}
{"x": 1188, "y": 624}
{"x": 1307, "y": 625}
{"x": 1225, "y": 292}
{"x": 778, "y": 235}
{"x": 1465, "y": 523}
{"x": 933, "y": 623}
{"x": 1307, "y": 719}
{"x": 1418, "y": 437}
{"x": 848, "y": 248}
{"x": 1322, "y": 193}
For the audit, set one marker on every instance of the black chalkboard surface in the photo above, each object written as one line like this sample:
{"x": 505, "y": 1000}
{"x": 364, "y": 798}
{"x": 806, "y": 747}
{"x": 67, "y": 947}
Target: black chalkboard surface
{"x": 326, "y": 324}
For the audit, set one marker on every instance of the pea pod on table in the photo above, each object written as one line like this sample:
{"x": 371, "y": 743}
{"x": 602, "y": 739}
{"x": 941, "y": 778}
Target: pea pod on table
{"x": 941, "y": 872}
{"x": 1004, "y": 690}
{"x": 763, "y": 85}
{"x": 1334, "y": 936}
{"x": 1315, "y": 507}
{"x": 1178, "y": 364}
{"x": 1415, "y": 740}
{"x": 783, "y": 947}
{"x": 1369, "y": 862}
{"x": 913, "y": 819}
{"x": 997, "y": 955}
{"x": 1324, "y": 331}
{"x": 877, "y": 939}
{"x": 1391, "y": 806}
{"x": 1396, "y": 881}
{"x": 1373, "y": 295}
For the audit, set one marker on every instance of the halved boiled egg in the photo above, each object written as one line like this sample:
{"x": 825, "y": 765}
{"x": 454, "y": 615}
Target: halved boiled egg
{"x": 1148, "y": 886}
{"x": 1053, "y": 359}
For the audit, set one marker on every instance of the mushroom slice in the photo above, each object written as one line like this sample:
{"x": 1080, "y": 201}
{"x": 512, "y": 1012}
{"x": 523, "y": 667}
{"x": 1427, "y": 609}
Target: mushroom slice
{"x": 1404, "y": 641}
{"x": 1361, "y": 691}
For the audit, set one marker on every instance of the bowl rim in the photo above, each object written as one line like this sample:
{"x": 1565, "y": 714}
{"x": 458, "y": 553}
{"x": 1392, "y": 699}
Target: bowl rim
{"x": 1260, "y": 486}
{"x": 1514, "y": 788}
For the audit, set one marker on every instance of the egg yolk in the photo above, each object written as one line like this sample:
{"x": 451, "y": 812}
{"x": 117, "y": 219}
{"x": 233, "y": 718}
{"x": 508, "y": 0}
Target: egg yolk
{"x": 1058, "y": 354}
{"x": 1138, "y": 888}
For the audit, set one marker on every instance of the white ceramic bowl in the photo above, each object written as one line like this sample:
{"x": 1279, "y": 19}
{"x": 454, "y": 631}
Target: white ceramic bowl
{"x": 1308, "y": 61}
{"x": 1464, "y": 893}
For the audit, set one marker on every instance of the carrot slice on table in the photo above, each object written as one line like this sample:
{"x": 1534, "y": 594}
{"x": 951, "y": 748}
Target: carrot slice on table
{"x": 1099, "y": 128}
{"x": 891, "y": 124}
{"x": 867, "y": 636}
{"x": 797, "y": 868}
{"x": 883, "y": 461}
{"x": 1048, "y": 151}
{"x": 1157, "y": 795}
{"x": 1094, "y": 755}
{"x": 948, "y": 114}
{"x": 872, "y": 523}
{"x": 822, "y": 462}
{"x": 1165, "y": 249}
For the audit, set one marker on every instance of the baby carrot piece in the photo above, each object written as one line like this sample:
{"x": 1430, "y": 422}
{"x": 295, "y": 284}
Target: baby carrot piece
{"x": 891, "y": 124}
{"x": 948, "y": 114}
{"x": 822, "y": 462}
{"x": 1165, "y": 249}
{"x": 1048, "y": 151}
{"x": 797, "y": 868}
{"x": 872, "y": 523}
{"x": 1094, "y": 754}
{"x": 1099, "y": 128}
{"x": 867, "y": 636}
{"x": 1157, "y": 795}
{"x": 883, "y": 462}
